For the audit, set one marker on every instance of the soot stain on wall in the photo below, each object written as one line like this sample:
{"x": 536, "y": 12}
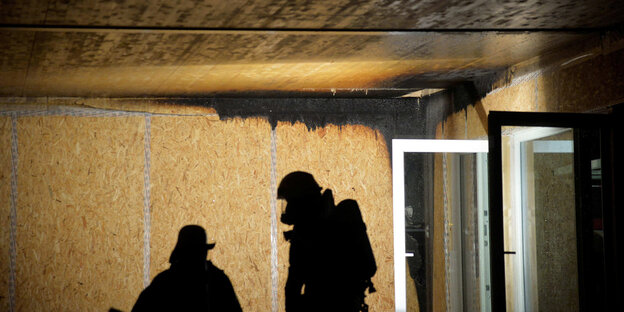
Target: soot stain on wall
{"x": 414, "y": 118}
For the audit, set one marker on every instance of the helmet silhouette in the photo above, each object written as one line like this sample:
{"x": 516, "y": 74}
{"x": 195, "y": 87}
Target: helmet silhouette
{"x": 297, "y": 184}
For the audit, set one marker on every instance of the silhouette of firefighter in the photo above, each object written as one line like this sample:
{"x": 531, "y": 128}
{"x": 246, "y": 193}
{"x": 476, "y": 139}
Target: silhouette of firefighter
{"x": 191, "y": 283}
{"x": 331, "y": 260}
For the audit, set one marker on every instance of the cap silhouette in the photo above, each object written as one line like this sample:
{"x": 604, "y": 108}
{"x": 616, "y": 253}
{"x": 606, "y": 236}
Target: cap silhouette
{"x": 191, "y": 244}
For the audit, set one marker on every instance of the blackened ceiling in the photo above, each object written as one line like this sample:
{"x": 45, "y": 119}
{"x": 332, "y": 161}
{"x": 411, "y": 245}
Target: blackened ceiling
{"x": 132, "y": 48}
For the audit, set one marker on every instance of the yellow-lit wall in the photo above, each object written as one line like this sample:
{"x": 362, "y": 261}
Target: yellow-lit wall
{"x": 587, "y": 85}
{"x": 80, "y": 189}
{"x": 5, "y": 209}
{"x": 81, "y": 218}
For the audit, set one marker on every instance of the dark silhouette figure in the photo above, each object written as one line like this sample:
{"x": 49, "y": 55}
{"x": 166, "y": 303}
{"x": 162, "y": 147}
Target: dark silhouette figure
{"x": 191, "y": 283}
{"x": 331, "y": 260}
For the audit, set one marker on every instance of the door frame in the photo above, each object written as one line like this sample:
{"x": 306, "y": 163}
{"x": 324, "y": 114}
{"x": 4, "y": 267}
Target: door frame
{"x": 399, "y": 147}
{"x": 497, "y": 120}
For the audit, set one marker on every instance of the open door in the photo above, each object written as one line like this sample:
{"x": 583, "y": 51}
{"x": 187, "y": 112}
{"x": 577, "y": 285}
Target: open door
{"x": 440, "y": 225}
{"x": 552, "y": 212}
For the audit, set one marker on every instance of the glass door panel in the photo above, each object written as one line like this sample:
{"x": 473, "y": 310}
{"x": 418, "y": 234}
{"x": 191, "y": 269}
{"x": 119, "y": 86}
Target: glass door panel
{"x": 548, "y": 196}
{"x": 441, "y": 225}
{"x": 418, "y": 222}
{"x": 549, "y": 221}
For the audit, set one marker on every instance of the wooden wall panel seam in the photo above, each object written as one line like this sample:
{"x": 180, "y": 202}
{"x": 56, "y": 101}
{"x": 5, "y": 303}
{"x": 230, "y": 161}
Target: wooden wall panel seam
{"x": 447, "y": 266}
{"x": 73, "y": 112}
{"x": 146, "y": 203}
{"x": 13, "y": 230}
{"x": 274, "y": 264}
{"x": 41, "y": 110}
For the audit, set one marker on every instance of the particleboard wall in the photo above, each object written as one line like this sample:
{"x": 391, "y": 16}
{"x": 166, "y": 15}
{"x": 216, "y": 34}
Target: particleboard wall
{"x": 5, "y": 209}
{"x": 439, "y": 269}
{"x": 555, "y": 230}
{"x": 215, "y": 174}
{"x": 592, "y": 84}
{"x": 145, "y": 105}
{"x": 81, "y": 199}
{"x": 353, "y": 161}
{"x": 80, "y": 220}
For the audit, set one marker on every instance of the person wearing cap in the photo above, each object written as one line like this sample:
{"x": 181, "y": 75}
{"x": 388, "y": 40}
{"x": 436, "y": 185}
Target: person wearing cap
{"x": 192, "y": 283}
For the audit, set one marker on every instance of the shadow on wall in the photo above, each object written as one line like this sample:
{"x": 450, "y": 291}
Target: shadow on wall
{"x": 192, "y": 283}
{"x": 331, "y": 259}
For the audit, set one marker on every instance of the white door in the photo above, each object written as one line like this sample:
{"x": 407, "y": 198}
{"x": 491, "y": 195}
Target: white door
{"x": 440, "y": 194}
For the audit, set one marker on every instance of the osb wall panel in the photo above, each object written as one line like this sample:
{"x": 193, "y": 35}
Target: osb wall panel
{"x": 157, "y": 106}
{"x": 80, "y": 219}
{"x": 147, "y": 105}
{"x": 439, "y": 261}
{"x": 455, "y": 126}
{"x": 518, "y": 97}
{"x": 476, "y": 122}
{"x": 215, "y": 174}
{"x": 590, "y": 85}
{"x": 471, "y": 122}
{"x": 5, "y": 209}
{"x": 353, "y": 161}
{"x": 555, "y": 227}
{"x": 596, "y": 83}
{"x": 439, "y": 133}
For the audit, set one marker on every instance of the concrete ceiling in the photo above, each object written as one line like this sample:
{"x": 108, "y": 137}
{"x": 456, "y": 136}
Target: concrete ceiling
{"x": 132, "y": 48}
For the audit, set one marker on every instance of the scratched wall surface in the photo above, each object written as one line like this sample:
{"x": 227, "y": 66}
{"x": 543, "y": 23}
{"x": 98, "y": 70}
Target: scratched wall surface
{"x": 5, "y": 209}
{"x": 317, "y": 14}
{"x": 80, "y": 213}
{"x": 354, "y": 162}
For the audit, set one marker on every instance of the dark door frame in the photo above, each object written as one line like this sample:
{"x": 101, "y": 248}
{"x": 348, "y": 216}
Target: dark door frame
{"x": 609, "y": 141}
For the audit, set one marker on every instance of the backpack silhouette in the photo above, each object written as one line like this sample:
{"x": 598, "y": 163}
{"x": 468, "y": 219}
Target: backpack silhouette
{"x": 352, "y": 256}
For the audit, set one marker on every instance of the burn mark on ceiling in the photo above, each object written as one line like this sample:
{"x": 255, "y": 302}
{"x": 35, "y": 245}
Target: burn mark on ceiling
{"x": 106, "y": 48}
{"x": 122, "y": 64}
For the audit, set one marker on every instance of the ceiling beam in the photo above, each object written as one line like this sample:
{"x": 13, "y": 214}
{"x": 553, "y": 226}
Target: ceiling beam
{"x": 299, "y": 31}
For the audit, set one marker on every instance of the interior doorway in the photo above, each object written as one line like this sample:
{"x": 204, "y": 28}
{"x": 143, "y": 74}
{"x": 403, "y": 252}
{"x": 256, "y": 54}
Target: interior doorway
{"x": 441, "y": 225}
{"x": 552, "y": 214}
